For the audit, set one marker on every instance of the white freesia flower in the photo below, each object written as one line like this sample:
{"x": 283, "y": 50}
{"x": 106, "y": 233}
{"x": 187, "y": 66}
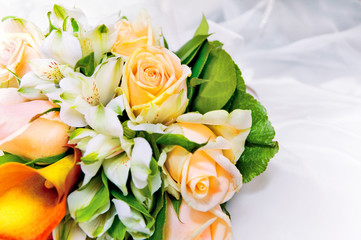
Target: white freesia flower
{"x": 132, "y": 219}
{"x": 62, "y": 47}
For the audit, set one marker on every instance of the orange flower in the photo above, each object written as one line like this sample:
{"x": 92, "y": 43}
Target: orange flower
{"x": 33, "y": 201}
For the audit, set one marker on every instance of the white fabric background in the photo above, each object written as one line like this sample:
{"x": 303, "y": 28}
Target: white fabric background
{"x": 303, "y": 58}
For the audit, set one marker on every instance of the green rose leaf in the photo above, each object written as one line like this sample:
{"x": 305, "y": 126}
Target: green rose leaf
{"x": 259, "y": 147}
{"x": 216, "y": 92}
{"x": 203, "y": 27}
{"x": 177, "y": 139}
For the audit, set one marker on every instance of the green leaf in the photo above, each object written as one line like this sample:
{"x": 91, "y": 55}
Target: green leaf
{"x": 100, "y": 199}
{"x": 176, "y": 204}
{"x": 90, "y": 158}
{"x": 216, "y": 92}
{"x": 127, "y": 132}
{"x": 203, "y": 27}
{"x": 8, "y": 157}
{"x": 8, "y": 17}
{"x": 55, "y": 109}
{"x": 224, "y": 209}
{"x": 177, "y": 139}
{"x": 165, "y": 43}
{"x": 117, "y": 231}
{"x": 86, "y": 65}
{"x": 48, "y": 160}
{"x": 254, "y": 160}
{"x": 132, "y": 202}
{"x": 190, "y": 48}
{"x": 259, "y": 147}
{"x": 74, "y": 25}
{"x": 160, "y": 221}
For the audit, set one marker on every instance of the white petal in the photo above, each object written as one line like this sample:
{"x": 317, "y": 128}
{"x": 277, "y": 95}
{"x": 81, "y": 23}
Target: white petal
{"x": 104, "y": 120}
{"x": 63, "y": 47}
{"x": 148, "y": 127}
{"x": 131, "y": 218}
{"x": 68, "y": 230}
{"x": 98, "y": 226}
{"x": 80, "y": 199}
{"x": 107, "y": 77}
{"x": 140, "y": 161}
{"x": 117, "y": 170}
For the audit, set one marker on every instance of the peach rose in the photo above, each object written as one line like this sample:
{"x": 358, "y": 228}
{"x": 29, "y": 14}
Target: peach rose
{"x": 208, "y": 177}
{"x": 192, "y": 224}
{"x": 19, "y": 43}
{"x": 131, "y": 36}
{"x": 46, "y": 136}
{"x": 154, "y": 85}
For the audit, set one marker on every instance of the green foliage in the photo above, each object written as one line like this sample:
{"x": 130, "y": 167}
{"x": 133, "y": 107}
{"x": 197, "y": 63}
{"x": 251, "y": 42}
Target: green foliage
{"x": 86, "y": 65}
{"x": 216, "y": 83}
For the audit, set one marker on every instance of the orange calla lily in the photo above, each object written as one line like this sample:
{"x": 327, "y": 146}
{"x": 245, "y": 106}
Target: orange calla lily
{"x": 33, "y": 201}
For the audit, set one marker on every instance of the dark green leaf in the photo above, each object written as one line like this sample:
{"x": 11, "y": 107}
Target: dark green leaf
{"x": 190, "y": 47}
{"x": 8, "y": 157}
{"x": 254, "y": 160}
{"x": 47, "y": 160}
{"x": 224, "y": 209}
{"x": 117, "y": 230}
{"x": 127, "y": 132}
{"x": 216, "y": 92}
{"x": 165, "y": 43}
{"x": 176, "y": 204}
{"x": 86, "y": 65}
{"x": 203, "y": 27}
{"x": 160, "y": 221}
{"x": 259, "y": 147}
{"x": 177, "y": 139}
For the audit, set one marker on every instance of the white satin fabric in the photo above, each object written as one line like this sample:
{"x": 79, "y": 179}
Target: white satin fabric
{"x": 303, "y": 58}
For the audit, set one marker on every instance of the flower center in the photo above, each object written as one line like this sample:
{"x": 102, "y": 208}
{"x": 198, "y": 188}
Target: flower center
{"x": 92, "y": 97}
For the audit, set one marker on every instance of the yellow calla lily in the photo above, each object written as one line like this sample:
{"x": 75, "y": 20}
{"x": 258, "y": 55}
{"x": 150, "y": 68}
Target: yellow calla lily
{"x": 33, "y": 201}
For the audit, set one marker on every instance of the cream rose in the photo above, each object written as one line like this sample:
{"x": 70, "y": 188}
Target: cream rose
{"x": 154, "y": 86}
{"x": 46, "y": 136}
{"x": 193, "y": 224}
{"x": 19, "y": 43}
{"x": 208, "y": 177}
{"x": 131, "y": 36}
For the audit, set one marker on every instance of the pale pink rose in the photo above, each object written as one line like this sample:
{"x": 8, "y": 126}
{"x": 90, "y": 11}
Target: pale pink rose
{"x": 196, "y": 225}
{"x": 131, "y": 36}
{"x": 206, "y": 178}
{"x": 19, "y": 44}
{"x": 46, "y": 136}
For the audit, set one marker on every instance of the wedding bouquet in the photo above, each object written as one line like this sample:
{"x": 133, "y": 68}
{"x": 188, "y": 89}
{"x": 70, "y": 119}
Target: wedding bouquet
{"x": 107, "y": 134}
